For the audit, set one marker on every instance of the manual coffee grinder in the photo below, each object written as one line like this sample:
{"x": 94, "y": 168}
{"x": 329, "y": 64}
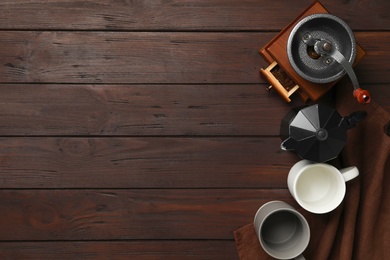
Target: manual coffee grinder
{"x": 311, "y": 55}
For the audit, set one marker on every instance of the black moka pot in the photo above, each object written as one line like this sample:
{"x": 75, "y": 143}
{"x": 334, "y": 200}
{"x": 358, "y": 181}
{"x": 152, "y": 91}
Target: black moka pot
{"x": 317, "y": 132}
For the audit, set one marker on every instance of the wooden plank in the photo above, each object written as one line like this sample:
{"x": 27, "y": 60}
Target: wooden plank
{"x": 139, "y": 57}
{"x": 375, "y": 53}
{"x": 140, "y": 250}
{"x": 140, "y": 110}
{"x": 143, "y": 163}
{"x": 32, "y": 215}
{"x": 104, "y": 57}
{"x": 380, "y": 94}
{"x": 223, "y": 15}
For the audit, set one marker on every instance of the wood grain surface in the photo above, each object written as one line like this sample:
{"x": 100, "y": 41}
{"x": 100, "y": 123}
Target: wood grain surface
{"x": 179, "y": 15}
{"x": 141, "y": 249}
{"x": 129, "y": 214}
{"x": 142, "y": 129}
{"x": 155, "y": 57}
{"x": 163, "y": 162}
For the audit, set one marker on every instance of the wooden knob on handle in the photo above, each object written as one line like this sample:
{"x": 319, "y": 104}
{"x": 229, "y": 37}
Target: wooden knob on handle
{"x": 363, "y": 96}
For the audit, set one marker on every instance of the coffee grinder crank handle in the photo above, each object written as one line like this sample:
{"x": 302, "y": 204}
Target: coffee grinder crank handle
{"x": 325, "y": 48}
{"x": 363, "y": 96}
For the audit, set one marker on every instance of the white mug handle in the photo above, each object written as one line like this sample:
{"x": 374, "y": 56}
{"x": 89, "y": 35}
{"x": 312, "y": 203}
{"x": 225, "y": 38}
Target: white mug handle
{"x": 349, "y": 173}
{"x": 300, "y": 257}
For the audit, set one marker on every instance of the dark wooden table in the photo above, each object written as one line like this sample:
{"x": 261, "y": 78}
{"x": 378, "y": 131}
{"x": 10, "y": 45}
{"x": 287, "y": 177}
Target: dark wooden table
{"x": 141, "y": 129}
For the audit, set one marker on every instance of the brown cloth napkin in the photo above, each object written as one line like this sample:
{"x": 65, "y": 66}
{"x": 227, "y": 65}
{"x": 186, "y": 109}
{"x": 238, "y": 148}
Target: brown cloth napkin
{"x": 360, "y": 227}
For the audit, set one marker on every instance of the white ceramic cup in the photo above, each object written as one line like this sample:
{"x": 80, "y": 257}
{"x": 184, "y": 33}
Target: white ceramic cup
{"x": 282, "y": 231}
{"x": 319, "y": 187}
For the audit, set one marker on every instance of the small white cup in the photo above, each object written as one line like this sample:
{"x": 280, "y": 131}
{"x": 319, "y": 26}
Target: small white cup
{"x": 319, "y": 187}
